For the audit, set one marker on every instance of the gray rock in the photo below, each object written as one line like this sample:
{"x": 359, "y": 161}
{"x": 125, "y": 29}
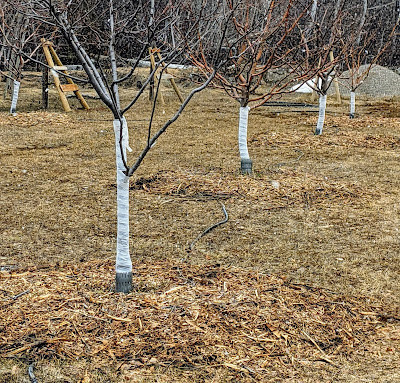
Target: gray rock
{"x": 380, "y": 82}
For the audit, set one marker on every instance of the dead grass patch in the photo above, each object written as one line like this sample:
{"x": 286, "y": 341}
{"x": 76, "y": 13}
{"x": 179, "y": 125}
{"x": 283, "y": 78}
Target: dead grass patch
{"x": 280, "y": 291}
{"x": 288, "y": 188}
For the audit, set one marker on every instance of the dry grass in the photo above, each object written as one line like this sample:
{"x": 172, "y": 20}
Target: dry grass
{"x": 279, "y": 293}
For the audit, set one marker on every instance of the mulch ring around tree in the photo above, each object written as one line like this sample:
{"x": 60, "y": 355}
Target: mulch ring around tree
{"x": 183, "y": 316}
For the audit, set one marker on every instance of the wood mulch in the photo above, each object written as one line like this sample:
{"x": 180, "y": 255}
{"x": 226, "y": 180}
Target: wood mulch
{"x": 182, "y": 316}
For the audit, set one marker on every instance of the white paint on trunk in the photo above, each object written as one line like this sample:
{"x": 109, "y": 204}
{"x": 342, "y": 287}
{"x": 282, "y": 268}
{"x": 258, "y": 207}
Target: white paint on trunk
{"x": 321, "y": 115}
{"x": 243, "y": 122}
{"x": 123, "y": 262}
{"x": 14, "y": 100}
{"x": 352, "y": 103}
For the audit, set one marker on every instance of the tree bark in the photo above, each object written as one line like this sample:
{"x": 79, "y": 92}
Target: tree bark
{"x": 362, "y": 21}
{"x": 45, "y": 87}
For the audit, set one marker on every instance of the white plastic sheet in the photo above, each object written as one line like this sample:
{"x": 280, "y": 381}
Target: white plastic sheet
{"x": 123, "y": 259}
{"x": 243, "y": 122}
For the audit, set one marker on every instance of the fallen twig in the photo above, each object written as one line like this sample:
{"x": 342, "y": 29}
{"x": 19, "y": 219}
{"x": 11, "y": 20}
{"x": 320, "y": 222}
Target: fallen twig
{"x": 323, "y": 356}
{"x": 31, "y": 345}
{"x": 211, "y": 227}
{"x": 15, "y": 297}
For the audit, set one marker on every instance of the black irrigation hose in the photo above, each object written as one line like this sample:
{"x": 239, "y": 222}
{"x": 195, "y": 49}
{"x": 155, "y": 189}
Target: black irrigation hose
{"x": 32, "y": 376}
{"x": 290, "y": 104}
{"x": 225, "y": 220}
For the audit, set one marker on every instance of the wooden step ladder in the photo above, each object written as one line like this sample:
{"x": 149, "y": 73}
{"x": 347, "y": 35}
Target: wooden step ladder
{"x": 165, "y": 76}
{"x": 56, "y": 66}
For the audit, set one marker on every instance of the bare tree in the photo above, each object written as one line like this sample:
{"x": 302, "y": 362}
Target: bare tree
{"x": 365, "y": 50}
{"x": 321, "y": 41}
{"x": 261, "y": 37}
{"x": 101, "y": 28}
{"x": 16, "y": 33}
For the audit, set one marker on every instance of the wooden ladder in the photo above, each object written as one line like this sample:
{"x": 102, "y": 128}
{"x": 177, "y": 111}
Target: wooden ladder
{"x": 166, "y": 75}
{"x": 56, "y": 66}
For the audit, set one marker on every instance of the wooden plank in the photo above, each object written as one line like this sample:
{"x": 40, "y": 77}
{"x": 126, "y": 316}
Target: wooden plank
{"x": 60, "y": 67}
{"x": 170, "y": 78}
{"x": 74, "y": 67}
{"x": 69, "y": 87}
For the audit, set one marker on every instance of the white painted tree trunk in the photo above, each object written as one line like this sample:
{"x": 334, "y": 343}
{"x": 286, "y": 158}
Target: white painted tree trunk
{"x": 321, "y": 115}
{"x": 245, "y": 161}
{"x": 14, "y": 99}
{"x": 352, "y": 104}
{"x": 123, "y": 262}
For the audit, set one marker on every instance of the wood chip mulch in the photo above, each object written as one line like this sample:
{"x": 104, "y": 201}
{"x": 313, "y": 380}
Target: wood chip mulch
{"x": 183, "y": 316}
{"x": 288, "y": 187}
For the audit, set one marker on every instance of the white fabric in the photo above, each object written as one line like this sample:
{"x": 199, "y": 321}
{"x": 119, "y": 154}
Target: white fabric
{"x": 15, "y": 97}
{"x": 306, "y": 87}
{"x": 243, "y": 122}
{"x": 352, "y": 103}
{"x": 123, "y": 262}
{"x": 125, "y": 137}
{"x": 321, "y": 115}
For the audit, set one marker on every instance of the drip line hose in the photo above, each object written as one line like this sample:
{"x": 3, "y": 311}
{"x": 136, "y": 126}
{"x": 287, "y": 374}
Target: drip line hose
{"x": 225, "y": 220}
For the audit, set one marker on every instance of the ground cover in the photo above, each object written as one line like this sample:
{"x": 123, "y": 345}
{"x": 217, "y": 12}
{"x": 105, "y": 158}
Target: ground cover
{"x": 301, "y": 283}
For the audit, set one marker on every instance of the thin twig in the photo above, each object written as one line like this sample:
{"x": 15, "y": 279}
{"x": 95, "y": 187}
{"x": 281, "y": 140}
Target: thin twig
{"x": 323, "y": 356}
{"x": 20, "y": 294}
{"x": 15, "y": 297}
{"x": 211, "y": 227}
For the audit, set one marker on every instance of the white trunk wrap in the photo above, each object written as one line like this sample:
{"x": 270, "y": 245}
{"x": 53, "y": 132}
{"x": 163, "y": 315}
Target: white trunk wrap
{"x": 243, "y": 122}
{"x": 321, "y": 115}
{"x": 123, "y": 262}
{"x": 14, "y": 100}
{"x": 352, "y": 103}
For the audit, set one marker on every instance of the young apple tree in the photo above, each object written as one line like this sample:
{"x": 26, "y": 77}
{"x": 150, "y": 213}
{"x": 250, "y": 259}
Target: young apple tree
{"x": 261, "y": 36}
{"x": 321, "y": 36}
{"x": 115, "y": 29}
{"x": 16, "y": 34}
{"x": 368, "y": 45}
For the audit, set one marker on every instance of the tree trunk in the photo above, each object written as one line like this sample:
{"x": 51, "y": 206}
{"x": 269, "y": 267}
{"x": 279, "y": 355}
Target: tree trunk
{"x": 45, "y": 87}
{"x": 335, "y": 81}
{"x": 245, "y": 162}
{"x": 321, "y": 115}
{"x": 14, "y": 99}
{"x": 352, "y": 104}
{"x": 123, "y": 265}
{"x": 362, "y": 21}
